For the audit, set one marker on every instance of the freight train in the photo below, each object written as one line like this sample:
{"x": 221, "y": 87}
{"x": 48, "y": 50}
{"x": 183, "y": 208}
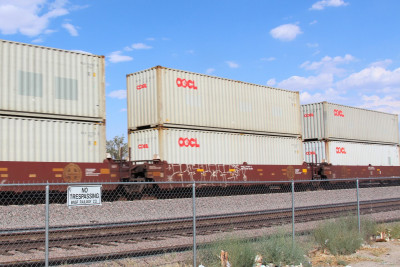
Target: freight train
{"x": 182, "y": 126}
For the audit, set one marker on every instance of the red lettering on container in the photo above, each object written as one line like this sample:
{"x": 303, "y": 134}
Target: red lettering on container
{"x": 309, "y": 115}
{"x": 340, "y": 150}
{"x": 186, "y": 142}
{"x": 141, "y": 86}
{"x": 142, "y": 146}
{"x": 338, "y": 113}
{"x": 311, "y": 153}
{"x": 186, "y": 83}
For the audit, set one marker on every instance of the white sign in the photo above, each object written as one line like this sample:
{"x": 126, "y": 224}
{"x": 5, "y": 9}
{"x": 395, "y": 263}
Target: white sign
{"x": 84, "y": 195}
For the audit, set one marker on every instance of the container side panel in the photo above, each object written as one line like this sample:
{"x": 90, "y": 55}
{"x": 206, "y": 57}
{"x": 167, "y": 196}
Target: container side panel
{"x": 204, "y": 147}
{"x": 201, "y": 101}
{"x": 142, "y": 99}
{"x": 36, "y": 79}
{"x": 43, "y": 140}
{"x": 351, "y": 153}
{"x": 336, "y": 122}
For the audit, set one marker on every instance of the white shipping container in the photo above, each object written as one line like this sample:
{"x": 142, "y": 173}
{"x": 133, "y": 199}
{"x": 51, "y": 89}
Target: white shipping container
{"x": 351, "y": 153}
{"x": 51, "y": 82}
{"x": 163, "y": 96}
{"x": 337, "y": 122}
{"x": 209, "y": 147}
{"x": 45, "y": 140}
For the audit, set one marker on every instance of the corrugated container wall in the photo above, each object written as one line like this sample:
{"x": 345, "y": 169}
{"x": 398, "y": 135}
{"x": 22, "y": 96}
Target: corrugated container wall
{"x": 351, "y": 153}
{"x": 51, "y": 83}
{"x": 166, "y": 97}
{"x": 46, "y": 140}
{"x": 327, "y": 121}
{"x": 210, "y": 147}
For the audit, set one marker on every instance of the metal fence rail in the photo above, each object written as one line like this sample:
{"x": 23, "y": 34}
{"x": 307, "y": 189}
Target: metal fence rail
{"x": 40, "y": 228}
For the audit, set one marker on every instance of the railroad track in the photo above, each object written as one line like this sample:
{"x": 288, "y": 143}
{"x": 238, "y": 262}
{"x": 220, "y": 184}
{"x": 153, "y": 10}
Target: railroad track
{"x": 24, "y": 240}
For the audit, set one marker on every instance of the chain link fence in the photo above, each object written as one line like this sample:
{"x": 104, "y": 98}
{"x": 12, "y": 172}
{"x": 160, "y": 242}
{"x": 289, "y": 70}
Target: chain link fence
{"x": 67, "y": 224}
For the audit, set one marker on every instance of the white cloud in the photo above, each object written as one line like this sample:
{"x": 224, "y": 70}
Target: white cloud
{"x": 286, "y": 32}
{"x": 117, "y": 56}
{"x": 320, "y": 82}
{"x": 232, "y": 65}
{"x": 312, "y": 45}
{"x": 383, "y": 63}
{"x": 71, "y": 29}
{"x": 123, "y": 110}
{"x": 328, "y": 64}
{"x": 320, "y": 5}
{"x": 385, "y": 104}
{"x": 372, "y": 78}
{"x": 119, "y": 94}
{"x": 151, "y": 39}
{"x": 313, "y": 22}
{"x": 374, "y": 87}
{"x": 271, "y": 82}
{"x": 330, "y": 95}
{"x": 29, "y": 18}
{"x": 210, "y": 71}
{"x": 141, "y": 46}
{"x": 38, "y": 40}
{"x": 268, "y": 59}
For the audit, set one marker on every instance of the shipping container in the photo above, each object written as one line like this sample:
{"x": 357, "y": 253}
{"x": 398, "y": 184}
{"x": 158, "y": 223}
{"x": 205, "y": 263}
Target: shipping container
{"x": 46, "y": 140}
{"x": 183, "y": 146}
{"x": 327, "y": 121}
{"x": 173, "y": 98}
{"x": 351, "y": 153}
{"x": 51, "y": 83}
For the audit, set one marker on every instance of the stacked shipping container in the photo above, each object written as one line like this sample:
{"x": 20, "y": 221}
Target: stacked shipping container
{"x": 343, "y": 135}
{"x": 52, "y": 104}
{"x": 192, "y": 118}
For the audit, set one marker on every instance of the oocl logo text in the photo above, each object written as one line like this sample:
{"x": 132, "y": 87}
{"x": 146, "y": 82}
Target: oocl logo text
{"x": 188, "y": 142}
{"x": 311, "y": 153}
{"x": 142, "y": 146}
{"x": 338, "y": 113}
{"x": 309, "y": 115}
{"x": 186, "y": 83}
{"x": 340, "y": 150}
{"x": 141, "y": 86}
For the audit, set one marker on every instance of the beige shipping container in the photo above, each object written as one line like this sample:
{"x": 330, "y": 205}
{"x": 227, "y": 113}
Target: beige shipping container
{"x": 46, "y": 140}
{"x": 183, "y": 146}
{"x": 351, "y": 153}
{"x": 173, "y": 98}
{"x": 327, "y": 121}
{"x": 51, "y": 83}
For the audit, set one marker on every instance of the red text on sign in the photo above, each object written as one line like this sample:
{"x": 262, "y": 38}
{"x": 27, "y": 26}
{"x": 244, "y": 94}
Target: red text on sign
{"x": 188, "y": 142}
{"x": 141, "y": 86}
{"x": 186, "y": 83}
{"x": 142, "y": 146}
{"x": 338, "y": 113}
{"x": 340, "y": 150}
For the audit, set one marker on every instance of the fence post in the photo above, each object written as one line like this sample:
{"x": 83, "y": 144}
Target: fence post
{"x": 293, "y": 231}
{"x": 358, "y": 206}
{"x": 47, "y": 225}
{"x": 194, "y": 223}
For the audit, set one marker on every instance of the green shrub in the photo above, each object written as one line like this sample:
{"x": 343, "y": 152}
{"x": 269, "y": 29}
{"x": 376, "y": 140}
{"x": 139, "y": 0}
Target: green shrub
{"x": 279, "y": 250}
{"x": 341, "y": 236}
{"x": 240, "y": 253}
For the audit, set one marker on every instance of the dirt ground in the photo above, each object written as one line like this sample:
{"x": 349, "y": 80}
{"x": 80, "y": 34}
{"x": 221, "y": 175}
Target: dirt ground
{"x": 374, "y": 255}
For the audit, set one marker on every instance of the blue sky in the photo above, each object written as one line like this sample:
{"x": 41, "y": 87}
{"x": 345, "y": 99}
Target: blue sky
{"x": 341, "y": 51}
